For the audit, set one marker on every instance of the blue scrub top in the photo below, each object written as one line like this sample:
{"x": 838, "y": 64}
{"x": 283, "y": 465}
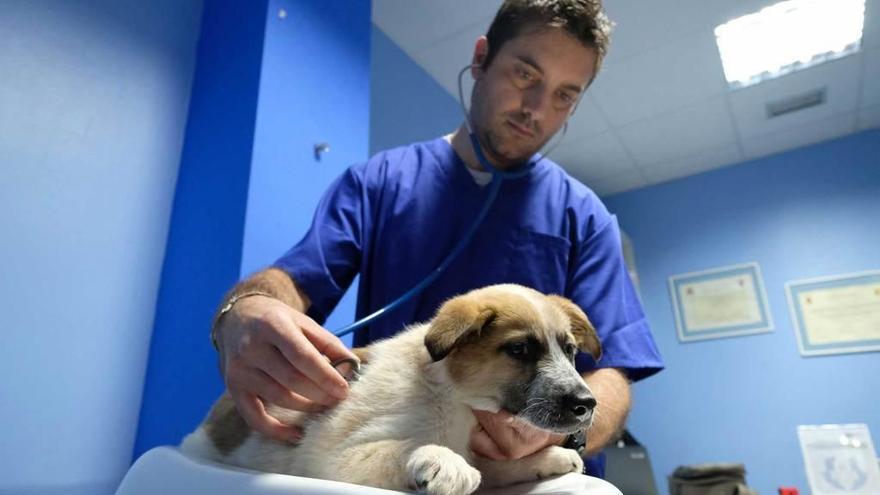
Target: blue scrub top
{"x": 393, "y": 219}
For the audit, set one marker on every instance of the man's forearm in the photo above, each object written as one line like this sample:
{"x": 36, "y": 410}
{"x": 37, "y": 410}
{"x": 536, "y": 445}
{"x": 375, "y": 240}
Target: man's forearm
{"x": 271, "y": 282}
{"x": 612, "y": 392}
{"x": 276, "y": 283}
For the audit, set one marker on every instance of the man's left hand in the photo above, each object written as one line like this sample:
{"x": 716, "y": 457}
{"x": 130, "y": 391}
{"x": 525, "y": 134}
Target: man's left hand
{"x": 501, "y": 436}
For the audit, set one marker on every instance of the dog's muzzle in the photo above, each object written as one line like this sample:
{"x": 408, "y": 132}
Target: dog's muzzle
{"x": 578, "y": 405}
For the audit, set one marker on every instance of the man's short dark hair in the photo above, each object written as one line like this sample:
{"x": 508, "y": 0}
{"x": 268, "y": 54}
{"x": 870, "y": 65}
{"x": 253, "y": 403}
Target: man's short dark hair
{"x": 584, "y": 19}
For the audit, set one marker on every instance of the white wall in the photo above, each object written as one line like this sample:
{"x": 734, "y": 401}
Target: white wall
{"x": 93, "y": 105}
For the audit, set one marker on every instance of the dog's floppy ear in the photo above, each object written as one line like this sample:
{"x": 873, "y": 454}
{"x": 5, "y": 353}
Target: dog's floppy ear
{"x": 583, "y": 330}
{"x": 457, "y": 319}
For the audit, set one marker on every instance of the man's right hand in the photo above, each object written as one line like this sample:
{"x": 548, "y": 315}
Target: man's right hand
{"x": 272, "y": 353}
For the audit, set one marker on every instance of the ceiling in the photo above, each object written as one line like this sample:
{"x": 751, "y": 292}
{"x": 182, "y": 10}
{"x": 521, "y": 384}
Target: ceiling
{"x": 661, "y": 108}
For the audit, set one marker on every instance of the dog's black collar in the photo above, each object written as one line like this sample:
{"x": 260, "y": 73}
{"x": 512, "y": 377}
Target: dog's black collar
{"x": 577, "y": 441}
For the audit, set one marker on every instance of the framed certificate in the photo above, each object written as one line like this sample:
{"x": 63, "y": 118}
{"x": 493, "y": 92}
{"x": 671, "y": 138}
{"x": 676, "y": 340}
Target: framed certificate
{"x": 839, "y": 459}
{"x": 720, "y": 302}
{"x": 836, "y": 315}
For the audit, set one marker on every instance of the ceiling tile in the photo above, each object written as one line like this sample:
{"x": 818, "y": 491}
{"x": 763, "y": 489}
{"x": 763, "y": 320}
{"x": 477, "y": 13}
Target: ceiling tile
{"x": 670, "y": 76}
{"x": 640, "y": 26}
{"x": 684, "y": 132}
{"x": 587, "y": 120}
{"x": 871, "y": 78}
{"x": 625, "y": 181}
{"x": 445, "y": 59}
{"x": 869, "y": 118}
{"x": 840, "y": 77}
{"x": 802, "y": 135}
{"x": 871, "y": 31}
{"x": 594, "y": 158}
{"x": 415, "y": 24}
{"x": 692, "y": 164}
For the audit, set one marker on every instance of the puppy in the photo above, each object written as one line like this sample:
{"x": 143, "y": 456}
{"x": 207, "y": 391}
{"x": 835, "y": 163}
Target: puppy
{"x": 407, "y": 421}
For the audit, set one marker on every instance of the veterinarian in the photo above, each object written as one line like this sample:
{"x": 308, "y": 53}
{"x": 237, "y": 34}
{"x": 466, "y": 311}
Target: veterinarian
{"x": 393, "y": 219}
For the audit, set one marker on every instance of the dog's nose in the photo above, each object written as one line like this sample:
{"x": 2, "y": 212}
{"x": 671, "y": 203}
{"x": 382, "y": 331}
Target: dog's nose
{"x": 579, "y": 403}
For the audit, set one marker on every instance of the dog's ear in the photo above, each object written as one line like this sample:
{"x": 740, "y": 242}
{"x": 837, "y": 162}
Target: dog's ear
{"x": 458, "y": 319}
{"x": 583, "y": 330}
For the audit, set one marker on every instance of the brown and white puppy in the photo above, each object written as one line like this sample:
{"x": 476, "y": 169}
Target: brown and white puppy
{"x": 407, "y": 421}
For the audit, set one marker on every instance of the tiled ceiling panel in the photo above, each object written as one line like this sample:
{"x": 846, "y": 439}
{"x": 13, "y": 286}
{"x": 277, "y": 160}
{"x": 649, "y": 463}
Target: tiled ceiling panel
{"x": 871, "y": 78}
{"x": 681, "y": 72}
{"x": 626, "y": 179}
{"x": 682, "y": 132}
{"x": 597, "y": 157}
{"x": 869, "y": 118}
{"x": 801, "y": 135}
{"x": 418, "y": 24}
{"x": 587, "y": 120}
{"x": 446, "y": 58}
{"x": 641, "y": 26}
{"x": 692, "y": 164}
{"x": 871, "y": 34}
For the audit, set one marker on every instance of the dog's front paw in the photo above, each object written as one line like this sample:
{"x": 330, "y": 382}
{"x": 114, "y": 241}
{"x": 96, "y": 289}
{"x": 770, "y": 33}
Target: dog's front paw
{"x": 555, "y": 461}
{"x": 436, "y": 470}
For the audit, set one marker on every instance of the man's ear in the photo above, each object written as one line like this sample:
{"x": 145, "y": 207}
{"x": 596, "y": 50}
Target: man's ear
{"x": 584, "y": 333}
{"x": 458, "y": 319}
{"x": 481, "y": 51}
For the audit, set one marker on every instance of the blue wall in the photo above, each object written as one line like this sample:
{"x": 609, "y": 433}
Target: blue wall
{"x": 204, "y": 244}
{"x": 407, "y": 104}
{"x": 807, "y": 213}
{"x": 93, "y": 99}
{"x": 315, "y": 89}
{"x": 267, "y": 88}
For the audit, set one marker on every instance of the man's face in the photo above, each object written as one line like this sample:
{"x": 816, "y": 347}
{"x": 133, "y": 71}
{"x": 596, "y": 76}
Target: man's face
{"x": 528, "y": 91}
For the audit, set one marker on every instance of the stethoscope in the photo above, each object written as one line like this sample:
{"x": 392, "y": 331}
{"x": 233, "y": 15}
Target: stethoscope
{"x": 498, "y": 176}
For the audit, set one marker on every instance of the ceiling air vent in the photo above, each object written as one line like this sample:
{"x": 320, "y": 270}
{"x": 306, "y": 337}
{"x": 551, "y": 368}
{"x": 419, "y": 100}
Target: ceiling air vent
{"x": 796, "y": 102}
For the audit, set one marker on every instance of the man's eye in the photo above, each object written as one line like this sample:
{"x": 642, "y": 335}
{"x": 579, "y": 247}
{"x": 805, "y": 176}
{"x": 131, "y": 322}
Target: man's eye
{"x": 564, "y": 100}
{"x": 524, "y": 77}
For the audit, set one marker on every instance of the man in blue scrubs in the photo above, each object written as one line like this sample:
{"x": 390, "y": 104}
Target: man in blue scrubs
{"x": 393, "y": 219}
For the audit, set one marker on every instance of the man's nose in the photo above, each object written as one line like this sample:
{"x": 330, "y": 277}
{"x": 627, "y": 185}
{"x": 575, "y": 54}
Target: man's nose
{"x": 535, "y": 101}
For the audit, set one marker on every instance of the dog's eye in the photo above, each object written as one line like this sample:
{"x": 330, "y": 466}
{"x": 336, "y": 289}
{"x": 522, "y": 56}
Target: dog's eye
{"x": 519, "y": 350}
{"x": 570, "y": 350}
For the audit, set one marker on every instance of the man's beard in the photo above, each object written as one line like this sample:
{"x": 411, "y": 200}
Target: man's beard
{"x": 494, "y": 142}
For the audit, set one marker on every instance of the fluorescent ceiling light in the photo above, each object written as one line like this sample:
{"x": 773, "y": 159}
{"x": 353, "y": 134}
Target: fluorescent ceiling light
{"x": 788, "y": 36}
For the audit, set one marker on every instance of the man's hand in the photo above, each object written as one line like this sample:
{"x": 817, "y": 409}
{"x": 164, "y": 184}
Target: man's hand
{"x": 501, "y": 436}
{"x": 272, "y": 353}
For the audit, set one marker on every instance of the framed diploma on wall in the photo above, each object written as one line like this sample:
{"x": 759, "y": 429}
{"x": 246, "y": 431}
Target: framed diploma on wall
{"x": 836, "y": 315}
{"x": 720, "y": 302}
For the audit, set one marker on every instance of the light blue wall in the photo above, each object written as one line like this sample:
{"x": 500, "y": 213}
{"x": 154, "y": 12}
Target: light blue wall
{"x": 93, "y": 99}
{"x": 406, "y": 104}
{"x": 315, "y": 88}
{"x": 806, "y": 213}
